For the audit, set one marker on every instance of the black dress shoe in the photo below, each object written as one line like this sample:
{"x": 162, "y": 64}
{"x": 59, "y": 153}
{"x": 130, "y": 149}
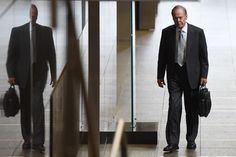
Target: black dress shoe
{"x": 191, "y": 145}
{"x": 26, "y": 145}
{"x": 39, "y": 148}
{"x": 171, "y": 148}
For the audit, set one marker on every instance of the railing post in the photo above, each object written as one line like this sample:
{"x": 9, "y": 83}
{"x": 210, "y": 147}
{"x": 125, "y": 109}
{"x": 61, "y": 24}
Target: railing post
{"x": 94, "y": 70}
{"x": 119, "y": 141}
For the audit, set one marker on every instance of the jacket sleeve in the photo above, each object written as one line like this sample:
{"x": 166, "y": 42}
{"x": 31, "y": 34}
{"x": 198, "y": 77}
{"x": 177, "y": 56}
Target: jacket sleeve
{"x": 162, "y": 60}
{"x": 12, "y": 54}
{"x": 52, "y": 56}
{"x": 203, "y": 55}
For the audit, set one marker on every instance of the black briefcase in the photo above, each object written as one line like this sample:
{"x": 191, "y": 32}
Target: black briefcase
{"x": 11, "y": 104}
{"x": 204, "y": 102}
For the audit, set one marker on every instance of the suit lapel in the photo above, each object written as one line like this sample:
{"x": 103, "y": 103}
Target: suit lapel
{"x": 39, "y": 37}
{"x": 26, "y": 31}
{"x": 27, "y": 37}
{"x": 173, "y": 40}
{"x": 189, "y": 39}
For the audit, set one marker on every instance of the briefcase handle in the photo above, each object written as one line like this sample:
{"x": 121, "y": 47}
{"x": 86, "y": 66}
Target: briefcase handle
{"x": 201, "y": 87}
{"x": 12, "y": 86}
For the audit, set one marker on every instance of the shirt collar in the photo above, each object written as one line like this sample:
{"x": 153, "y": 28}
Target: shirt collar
{"x": 184, "y": 29}
{"x": 30, "y": 24}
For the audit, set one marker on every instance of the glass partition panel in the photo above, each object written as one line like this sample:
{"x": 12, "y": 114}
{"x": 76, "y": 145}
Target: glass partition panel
{"x": 108, "y": 69}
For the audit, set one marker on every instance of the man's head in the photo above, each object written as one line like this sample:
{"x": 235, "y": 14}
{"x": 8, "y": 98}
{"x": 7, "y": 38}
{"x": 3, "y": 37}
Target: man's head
{"x": 33, "y": 14}
{"x": 179, "y": 15}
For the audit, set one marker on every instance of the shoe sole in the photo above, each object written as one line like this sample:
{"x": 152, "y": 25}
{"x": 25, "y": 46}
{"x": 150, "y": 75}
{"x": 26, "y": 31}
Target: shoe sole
{"x": 171, "y": 150}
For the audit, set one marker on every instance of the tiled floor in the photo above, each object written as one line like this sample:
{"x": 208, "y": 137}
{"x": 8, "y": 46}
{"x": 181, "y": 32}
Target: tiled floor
{"x": 217, "y": 133}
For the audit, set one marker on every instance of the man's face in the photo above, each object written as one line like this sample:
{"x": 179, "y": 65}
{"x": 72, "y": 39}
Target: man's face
{"x": 179, "y": 18}
{"x": 33, "y": 15}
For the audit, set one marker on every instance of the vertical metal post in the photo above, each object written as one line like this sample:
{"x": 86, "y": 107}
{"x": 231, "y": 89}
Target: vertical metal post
{"x": 94, "y": 71}
{"x": 54, "y": 13}
{"x": 133, "y": 68}
{"x": 83, "y": 13}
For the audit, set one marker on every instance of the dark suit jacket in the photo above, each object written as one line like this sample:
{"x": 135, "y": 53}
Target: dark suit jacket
{"x": 18, "y": 60}
{"x": 196, "y": 54}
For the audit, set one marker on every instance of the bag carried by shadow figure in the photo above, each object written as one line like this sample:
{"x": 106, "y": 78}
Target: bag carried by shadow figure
{"x": 11, "y": 103}
{"x": 204, "y": 101}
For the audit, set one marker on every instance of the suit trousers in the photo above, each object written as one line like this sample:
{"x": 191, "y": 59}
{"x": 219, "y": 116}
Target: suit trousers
{"x": 33, "y": 113}
{"x": 178, "y": 85}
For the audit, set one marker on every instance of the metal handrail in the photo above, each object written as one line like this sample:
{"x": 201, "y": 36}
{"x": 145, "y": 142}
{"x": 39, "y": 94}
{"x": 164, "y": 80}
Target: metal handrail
{"x": 119, "y": 141}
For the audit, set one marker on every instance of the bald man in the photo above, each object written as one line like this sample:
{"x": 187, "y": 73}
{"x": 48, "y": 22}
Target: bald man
{"x": 183, "y": 53}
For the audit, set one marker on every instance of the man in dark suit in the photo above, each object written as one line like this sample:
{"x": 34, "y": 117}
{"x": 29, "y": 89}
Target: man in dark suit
{"x": 183, "y": 53}
{"x": 30, "y": 51}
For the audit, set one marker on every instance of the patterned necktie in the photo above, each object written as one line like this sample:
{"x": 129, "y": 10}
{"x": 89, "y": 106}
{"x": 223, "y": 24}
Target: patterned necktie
{"x": 181, "y": 48}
